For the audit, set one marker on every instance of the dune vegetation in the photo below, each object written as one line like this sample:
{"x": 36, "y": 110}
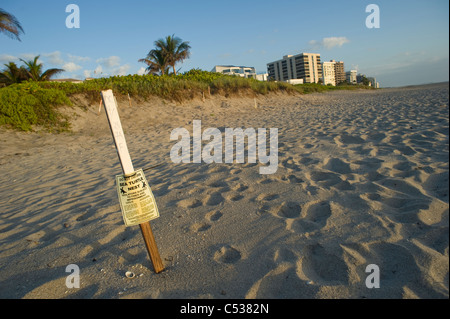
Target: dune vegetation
{"x": 29, "y": 103}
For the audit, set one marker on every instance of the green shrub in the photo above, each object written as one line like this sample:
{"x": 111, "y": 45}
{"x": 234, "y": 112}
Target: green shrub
{"x": 26, "y": 104}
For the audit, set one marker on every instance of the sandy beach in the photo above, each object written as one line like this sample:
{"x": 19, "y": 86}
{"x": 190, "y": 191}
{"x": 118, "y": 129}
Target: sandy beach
{"x": 362, "y": 179}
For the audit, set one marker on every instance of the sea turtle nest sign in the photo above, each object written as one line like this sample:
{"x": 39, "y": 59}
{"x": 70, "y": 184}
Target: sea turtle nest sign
{"x": 136, "y": 198}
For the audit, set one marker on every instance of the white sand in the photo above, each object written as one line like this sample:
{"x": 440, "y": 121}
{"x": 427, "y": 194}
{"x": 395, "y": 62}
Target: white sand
{"x": 362, "y": 179}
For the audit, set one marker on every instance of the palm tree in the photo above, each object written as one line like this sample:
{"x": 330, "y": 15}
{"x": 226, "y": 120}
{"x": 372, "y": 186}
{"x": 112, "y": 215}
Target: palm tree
{"x": 10, "y": 25}
{"x": 13, "y": 74}
{"x": 174, "y": 49}
{"x": 34, "y": 70}
{"x": 157, "y": 62}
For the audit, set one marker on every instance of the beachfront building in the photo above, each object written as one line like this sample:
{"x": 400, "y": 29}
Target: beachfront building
{"x": 261, "y": 76}
{"x": 350, "y": 76}
{"x": 339, "y": 73}
{"x": 373, "y": 82}
{"x": 304, "y": 66}
{"x": 328, "y": 73}
{"x": 242, "y": 71}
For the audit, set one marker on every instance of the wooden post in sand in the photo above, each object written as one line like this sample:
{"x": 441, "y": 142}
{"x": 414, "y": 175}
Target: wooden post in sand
{"x": 100, "y": 106}
{"x": 127, "y": 167}
{"x": 129, "y": 99}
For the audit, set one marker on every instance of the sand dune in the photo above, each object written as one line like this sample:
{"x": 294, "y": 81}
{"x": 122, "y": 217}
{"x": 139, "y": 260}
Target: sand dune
{"x": 362, "y": 179}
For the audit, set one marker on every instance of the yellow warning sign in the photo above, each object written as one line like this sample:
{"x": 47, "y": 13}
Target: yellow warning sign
{"x": 136, "y": 199}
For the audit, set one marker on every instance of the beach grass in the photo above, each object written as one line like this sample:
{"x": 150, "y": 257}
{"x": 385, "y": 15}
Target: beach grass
{"x": 36, "y": 103}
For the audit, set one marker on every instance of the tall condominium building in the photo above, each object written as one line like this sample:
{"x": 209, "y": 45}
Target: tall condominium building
{"x": 339, "y": 72}
{"x": 333, "y": 72}
{"x": 305, "y": 66}
{"x": 328, "y": 71}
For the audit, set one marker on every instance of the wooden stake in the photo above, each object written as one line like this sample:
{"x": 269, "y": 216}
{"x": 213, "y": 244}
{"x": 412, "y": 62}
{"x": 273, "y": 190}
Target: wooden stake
{"x": 129, "y": 99}
{"x": 152, "y": 249}
{"x": 100, "y": 106}
{"x": 127, "y": 168}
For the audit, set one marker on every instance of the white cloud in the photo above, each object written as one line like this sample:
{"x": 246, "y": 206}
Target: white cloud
{"x": 6, "y": 58}
{"x": 329, "y": 43}
{"x": 79, "y": 59}
{"x": 110, "y": 62}
{"x": 28, "y": 56}
{"x": 141, "y": 71}
{"x": 122, "y": 70}
{"x": 355, "y": 67}
{"x": 87, "y": 73}
{"x": 71, "y": 67}
{"x": 54, "y": 57}
{"x": 98, "y": 70}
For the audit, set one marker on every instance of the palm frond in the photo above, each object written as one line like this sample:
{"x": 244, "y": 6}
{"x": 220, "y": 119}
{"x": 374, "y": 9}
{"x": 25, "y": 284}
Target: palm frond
{"x": 10, "y": 25}
{"x": 48, "y": 74}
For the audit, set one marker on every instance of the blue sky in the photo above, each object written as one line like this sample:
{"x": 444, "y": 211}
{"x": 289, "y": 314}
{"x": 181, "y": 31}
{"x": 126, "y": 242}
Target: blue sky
{"x": 410, "y": 47}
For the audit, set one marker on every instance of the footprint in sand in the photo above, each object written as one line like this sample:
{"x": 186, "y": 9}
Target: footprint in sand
{"x": 227, "y": 255}
{"x": 200, "y": 227}
{"x": 324, "y": 179}
{"x": 437, "y": 185}
{"x": 375, "y": 137}
{"x": 288, "y": 210}
{"x": 235, "y": 197}
{"x": 314, "y": 216}
{"x": 344, "y": 139}
{"x": 218, "y": 184}
{"x": 235, "y": 171}
{"x": 266, "y": 197}
{"x": 213, "y": 216}
{"x": 283, "y": 280}
{"x": 308, "y": 161}
{"x": 214, "y": 199}
{"x": 323, "y": 266}
{"x": 265, "y": 180}
{"x": 189, "y": 203}
{"x": 396, "y": 264}
{"x": 240, "y": 187}
{"x": 204, "y": 225}
{"x": 291, "y": 179}
{"x": 337, "y": 165}
{"x": 290, "y": 163}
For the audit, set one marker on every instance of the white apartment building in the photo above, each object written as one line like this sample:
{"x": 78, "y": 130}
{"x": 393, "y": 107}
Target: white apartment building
{"x": 242, "y": 71}
{"x": 351, "y": 76}
{"x": 261, "y": 76}
{"x": 305, "y": 66}
{"x": 328, "y": 71}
